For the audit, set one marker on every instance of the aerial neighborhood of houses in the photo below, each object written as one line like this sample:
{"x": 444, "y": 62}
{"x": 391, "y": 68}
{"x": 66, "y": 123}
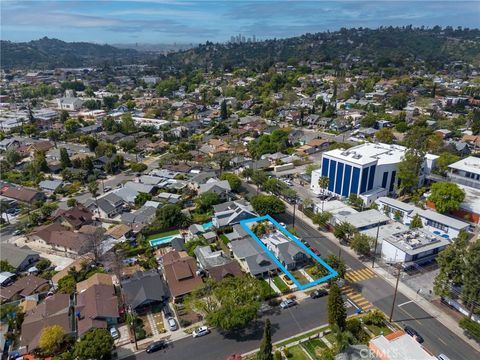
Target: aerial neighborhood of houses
{"x": 128, "y": 202}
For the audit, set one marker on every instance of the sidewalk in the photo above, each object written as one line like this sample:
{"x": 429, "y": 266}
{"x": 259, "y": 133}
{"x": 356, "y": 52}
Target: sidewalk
{"x": 450, "y": 322}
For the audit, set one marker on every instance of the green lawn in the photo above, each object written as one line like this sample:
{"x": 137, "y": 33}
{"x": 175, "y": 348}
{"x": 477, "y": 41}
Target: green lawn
{"x": 267, "y": 290}
{"x": 314, "y": 347}
{"x": 224, "y": 239}
{"x": 378, "y": 329}
{"x": 300, "y": 277}
{"x": 163, "y": 234}
{"x": 280, "y": 284}
{"x": 310, "y": 333}
{"x": 297, "y": 353}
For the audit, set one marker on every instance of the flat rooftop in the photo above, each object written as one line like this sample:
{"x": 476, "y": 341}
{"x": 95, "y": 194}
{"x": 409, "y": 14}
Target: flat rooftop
{"x": 470, "y": 164}
{"x": 416, "y": 241}
{"x": 369, "y": 153}
{"x": 403, "y": 346}
{"x": 363, "y": 219}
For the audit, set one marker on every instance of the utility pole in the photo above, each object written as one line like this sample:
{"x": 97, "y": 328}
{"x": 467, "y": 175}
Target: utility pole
{"x": 375, "y": 247}
{"x": 395, "y": 294}
{"x": 294, "y": 207}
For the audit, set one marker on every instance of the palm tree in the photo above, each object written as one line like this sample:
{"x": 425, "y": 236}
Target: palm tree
{"x": 132, "y": 319}
{"x": 93, "y": 189}
{"x": 323, "y": 182}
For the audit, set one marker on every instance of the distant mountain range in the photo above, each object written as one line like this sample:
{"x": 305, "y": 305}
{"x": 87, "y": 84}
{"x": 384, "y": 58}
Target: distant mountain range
{"x": 48, "y": 53}
{"x": 383, "y": 47}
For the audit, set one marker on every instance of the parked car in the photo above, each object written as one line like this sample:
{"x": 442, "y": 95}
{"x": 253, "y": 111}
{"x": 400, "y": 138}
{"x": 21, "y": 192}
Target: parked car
{"x": 443, "y": 357}
{"x": 17, "y": 232}
{"x": 319, "y": 293}
{"x": 201, "y": 331}
{"x": 107, "y": 188}
{"x": 172, "y": 324}
{"x": 287, "y": 280}
{"x": 413, "y": 333}
{"x": 155, "y": 346}
{"x": 287, "y": 303}
{"x": 315, "y": 251}
{"x": 114, "y": 333}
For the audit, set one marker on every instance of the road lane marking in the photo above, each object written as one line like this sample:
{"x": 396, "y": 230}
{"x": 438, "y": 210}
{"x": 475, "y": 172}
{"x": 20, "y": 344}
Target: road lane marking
{"x": 413, "y": 317}
{"x": 442, "y": 341}
{"x": 405, "y": 303}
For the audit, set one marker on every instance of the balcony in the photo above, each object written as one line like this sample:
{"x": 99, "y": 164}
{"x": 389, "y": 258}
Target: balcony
{"x": 464, "y": 181}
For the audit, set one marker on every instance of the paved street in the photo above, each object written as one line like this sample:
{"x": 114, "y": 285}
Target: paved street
{"x": 215, "y": 346}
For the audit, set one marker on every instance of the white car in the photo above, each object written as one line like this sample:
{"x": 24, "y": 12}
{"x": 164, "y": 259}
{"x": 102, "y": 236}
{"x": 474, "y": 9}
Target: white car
{"x": 172, "y": 324}
{"x": 114, "y": 333}
{"x": 201, "y": 331}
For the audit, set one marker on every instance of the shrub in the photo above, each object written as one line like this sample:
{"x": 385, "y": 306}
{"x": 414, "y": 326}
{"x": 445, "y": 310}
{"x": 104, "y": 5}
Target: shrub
{"x": 277, "y": 355}
{"x": 471, "y": 327}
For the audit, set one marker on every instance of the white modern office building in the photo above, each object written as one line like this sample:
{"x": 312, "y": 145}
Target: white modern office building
{"x": 368, "y": 170}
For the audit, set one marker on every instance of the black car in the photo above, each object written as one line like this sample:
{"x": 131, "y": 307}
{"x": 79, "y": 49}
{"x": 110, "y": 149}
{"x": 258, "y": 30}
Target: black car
{"x": 413, "y": 333}
{"x": 155, "y": 346}
{"x": 319, "y": 293}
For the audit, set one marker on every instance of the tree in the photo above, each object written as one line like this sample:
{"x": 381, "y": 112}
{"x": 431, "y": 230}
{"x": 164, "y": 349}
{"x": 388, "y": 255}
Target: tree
{"x": 385, "y": 135}
{"x": 220, "y": 129}
{"x": 416, "y": 222}
{"x": 310, "y": 167}
{"x": 132, "y": 319}
{"x": 142, "y": 198}
{"x": 47, "y": 209}
{"x": 95, "y": 344}
{"x": 168, "y": 217}
{"x": 322, "y": 218}
{"x": 127, "y": 125}
{"x": 93, "y": 189}
{"x": 447, "y": 196}
{"x": 233, "y": 180}
{"x": 362, "y": 244}
{"x": 71, "y": 202}
{"x": 398, "y": 101}
{"x": 444, "y": 160}
{"x": 409, "y": 171}
{"x": 67, "y": 285}
{"x": 223, "y": 110}
{"x": 138, "y": 167}
{"x": 71, "y": 125}
{"x": 265, "y": 352}
{"x": 51, "y": 338}
{"x": 344, "y": 231}
{"x": 355, "y": 200}
{"x": 206, "y": 200}
{"x": 64, "y": 158}
{"x": 337, "y": 314}
{"x": 12, "y": 156}
{"x": 63, "y": 116}
{"x": 5, "y": 266}
{"x": 230, "y": 304}
{"x": 267, "y": 204}
{"x": 323, "y": 182}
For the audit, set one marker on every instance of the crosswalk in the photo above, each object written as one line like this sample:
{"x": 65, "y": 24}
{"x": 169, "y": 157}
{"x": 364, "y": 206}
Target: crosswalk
{"x": 357, "y": 298}
{"x": 359, "y": 275}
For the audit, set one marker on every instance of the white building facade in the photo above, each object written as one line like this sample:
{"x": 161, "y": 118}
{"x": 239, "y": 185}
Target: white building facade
{"x": 369, "y": 170}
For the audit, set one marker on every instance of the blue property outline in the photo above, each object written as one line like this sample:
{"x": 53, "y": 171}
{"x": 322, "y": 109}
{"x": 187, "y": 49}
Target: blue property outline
{"x": 332, "y": 274}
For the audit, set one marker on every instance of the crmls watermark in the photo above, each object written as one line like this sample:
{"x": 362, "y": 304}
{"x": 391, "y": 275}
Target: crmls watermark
{"x": 372, "y": 354}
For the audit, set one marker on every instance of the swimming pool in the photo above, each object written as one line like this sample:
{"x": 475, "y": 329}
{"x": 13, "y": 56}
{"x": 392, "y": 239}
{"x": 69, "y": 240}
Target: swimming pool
{"x": 207, "y": 225}
{"x": 163, "y": 240}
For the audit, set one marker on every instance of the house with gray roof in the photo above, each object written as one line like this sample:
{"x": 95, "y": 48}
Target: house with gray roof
{"x": 219, "y": 187}
{"x": 252, "y": 258}
{"x": 145, "y": 289}
{"x": 208, "y": 258}
{"x": 231, "y": 213}
{"x": 238, "y": 233}
{"x": 21, "y": 258}
{"x": 50, "y": 185}
{"x": 109, "y": 205}
{"x": 291, "y": 255}
{"x": 144, "y": 215}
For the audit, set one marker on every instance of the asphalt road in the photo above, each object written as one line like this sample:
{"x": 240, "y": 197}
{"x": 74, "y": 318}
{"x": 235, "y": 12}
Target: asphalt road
{"x": 309, "y": 314}
{"x": 438, "y": 338}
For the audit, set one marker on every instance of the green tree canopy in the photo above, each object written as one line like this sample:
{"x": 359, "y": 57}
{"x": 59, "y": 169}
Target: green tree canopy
{"x": 447, "y": 196}
{"x": 385, "y": 135}
{"x": 206, "y": 200}
{"x": 232, "y": 179}
{"x": 95, "y": 344}
{"x": 51, "y": 339}
{"x": 344, "y": 231}
{"x": 267, "y": 204}
{"x": 362, "y": 244}
{"x": 337, "y": 314}
{"x": 265, "y": 352}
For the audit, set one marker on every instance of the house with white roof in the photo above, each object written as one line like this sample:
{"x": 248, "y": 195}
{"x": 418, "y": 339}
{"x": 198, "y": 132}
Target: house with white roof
{"x": 231, "y": 213}
{"x": 465, "y": 172}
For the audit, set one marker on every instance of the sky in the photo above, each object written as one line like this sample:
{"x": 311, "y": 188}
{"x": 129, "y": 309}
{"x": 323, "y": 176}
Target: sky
{"x": 177, "y": 21}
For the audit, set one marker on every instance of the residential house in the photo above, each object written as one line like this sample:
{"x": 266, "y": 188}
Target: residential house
{"x": 81, "y": 261}
{"x": 142, "y": 216}
{"x": 7, "y": 278}
{"x": 95, "y": 279}
{"x": 465, "y": 172}
{"x": 231, "y": 213}
{"x": 21, "y": 258}
{"x": 219, "y": 187}
{"x": 143, "y": 290}
{"x": 120, "y": 232}
{"x": 109, "y": 205}
{"x": 24, "y": 287}
{"x": 230, "y": 269}
{"x": 180, "y": 272}
{"x": 290, "y": 254}
{"x": 58, "y": 238}
{"x": 252, "y": 258}
{"x": 208, "y": 258}
{"x": 54, "y": 310}
{"x": 50, "y": 186}
{"x": 97, "y": 308}
{"x": 69, "y": 103}
{"x": 23, "y": 194}
{"x": 398, "y": 345}
{"x": 9, "y": 144}
{"x": 74, "y": 218}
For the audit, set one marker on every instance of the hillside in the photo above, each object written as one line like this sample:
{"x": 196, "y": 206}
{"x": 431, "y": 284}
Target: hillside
{"x": 381, "y": 47}
{"x": 50, "y": 53}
